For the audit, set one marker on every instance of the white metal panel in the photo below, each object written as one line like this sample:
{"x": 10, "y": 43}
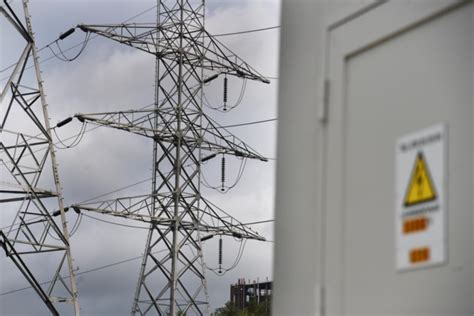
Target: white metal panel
{"x": 296, "y": 291}
{"x": 298, "y": 265}
{"x": 297, "y": 269}
{"x": 394, "y": 70}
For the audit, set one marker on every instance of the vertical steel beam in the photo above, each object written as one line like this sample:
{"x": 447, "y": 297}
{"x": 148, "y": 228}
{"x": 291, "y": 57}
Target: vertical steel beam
{"x": 54, "y": 163}
{"x": 34, "y": 231}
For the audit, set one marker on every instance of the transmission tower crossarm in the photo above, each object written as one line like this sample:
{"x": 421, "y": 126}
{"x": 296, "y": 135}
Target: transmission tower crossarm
{"x": 25, "y": 197}
{"x": 141, "y": 36}
{"x": 209, "y": 54}
{"x": 221, "y": 59}
{"x": 125, "y": 121}
{"x": 213, "y": 220}
{"x": 208, "y": 134}
{"x": 229, "y": 143}
{"x": 228, "y": 223}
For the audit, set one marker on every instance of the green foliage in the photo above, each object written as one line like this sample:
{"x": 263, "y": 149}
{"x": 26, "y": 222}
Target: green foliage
{"x": 229, "y": 309}
{"x": 253, "y": 309}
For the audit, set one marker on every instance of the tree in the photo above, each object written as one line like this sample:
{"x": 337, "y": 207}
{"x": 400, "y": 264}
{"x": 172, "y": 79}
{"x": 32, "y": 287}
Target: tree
{"x": 253, "y": 309}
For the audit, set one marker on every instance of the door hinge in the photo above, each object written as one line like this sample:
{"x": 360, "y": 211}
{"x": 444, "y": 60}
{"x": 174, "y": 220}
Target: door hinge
{"x": 324, "y": 108}
{"x": 319, "y": 308}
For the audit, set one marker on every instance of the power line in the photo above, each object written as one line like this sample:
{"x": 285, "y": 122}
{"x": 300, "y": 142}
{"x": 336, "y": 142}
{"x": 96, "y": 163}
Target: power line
{"x": 130, "y": 226}
{"x": 105, "y": 194}
{"x": 36, "y": 235}
{"x": 137, "y": 15}
{"x": 248, "y": 31}
{"x": 84, "y": 272}
{"x": 94, "y": 269}
{"x": 249, "y": 123}
{"x": 81, "y": 133}
{"x": 114, "y": 223}
{"x": 72, "y": 47}
{"x": 93, "y": 198}
{"x": 129, "y": 186}
{"x": 179, "y": 160}
{"x": 260, "y": 222}
{"x": 116, "y": 190}
{"x": 143, "y": 227}
{"x": 145, "y": 180}
{"x": 218, "y": 127}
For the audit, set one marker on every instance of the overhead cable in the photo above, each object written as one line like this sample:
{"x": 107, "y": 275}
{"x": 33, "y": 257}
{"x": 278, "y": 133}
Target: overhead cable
{"x": 84, "y": 272}
{"x": 139, "y": 14}
{"x": 248, "y": 123}
{"x": 248, "y": 31}
{"x": 132, "y": 259}
{"x": 114, "y": 223}
{"x": 74, "y": 46}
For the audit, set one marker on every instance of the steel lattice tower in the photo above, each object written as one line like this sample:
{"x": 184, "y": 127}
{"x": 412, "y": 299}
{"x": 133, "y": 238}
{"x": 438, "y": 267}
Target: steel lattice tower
{"x": 26, "y": 150}
{"x": 187, "y": 57}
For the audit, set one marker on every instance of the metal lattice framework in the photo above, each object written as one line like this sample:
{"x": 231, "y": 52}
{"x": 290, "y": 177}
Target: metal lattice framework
{"x": 174, "y": 282}
{"x": 38, "y": 240}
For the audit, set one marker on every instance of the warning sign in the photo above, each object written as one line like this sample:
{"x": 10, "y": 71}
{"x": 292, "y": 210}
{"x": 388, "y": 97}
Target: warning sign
{"x": 420, "y": 188}
{"x": 420, "y": 209}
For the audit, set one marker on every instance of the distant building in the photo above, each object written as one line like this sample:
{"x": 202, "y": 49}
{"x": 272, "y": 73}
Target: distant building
{"x": 243, "y": 294}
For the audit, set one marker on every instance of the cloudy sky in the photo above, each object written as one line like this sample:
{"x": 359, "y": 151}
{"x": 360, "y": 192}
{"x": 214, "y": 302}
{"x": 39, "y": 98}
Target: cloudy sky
{"x": 108, "y": 76}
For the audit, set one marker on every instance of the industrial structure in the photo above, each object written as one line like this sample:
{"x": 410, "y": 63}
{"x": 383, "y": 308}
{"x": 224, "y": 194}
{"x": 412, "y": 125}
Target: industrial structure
{"x": 244, "y": 294}
{"x": 39, "y": 230}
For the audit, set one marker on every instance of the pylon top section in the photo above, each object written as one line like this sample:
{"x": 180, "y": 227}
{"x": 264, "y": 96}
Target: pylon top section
{"x": 180, "y": 31}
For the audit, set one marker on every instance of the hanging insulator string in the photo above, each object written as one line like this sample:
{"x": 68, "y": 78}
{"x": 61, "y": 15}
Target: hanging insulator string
{"x": 226, "y": 107}
{"x": 223, "y": 173}
{"x": 220, "y": 254}
{"x": 225, "y": 93}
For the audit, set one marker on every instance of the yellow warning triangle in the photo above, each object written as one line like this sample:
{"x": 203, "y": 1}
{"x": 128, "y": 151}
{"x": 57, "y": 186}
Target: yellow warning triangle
{"x": 420, "y": 188}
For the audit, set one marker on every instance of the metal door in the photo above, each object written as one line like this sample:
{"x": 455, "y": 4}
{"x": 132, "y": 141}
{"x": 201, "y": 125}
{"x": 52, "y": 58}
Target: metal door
{"x": 394, "y": 69}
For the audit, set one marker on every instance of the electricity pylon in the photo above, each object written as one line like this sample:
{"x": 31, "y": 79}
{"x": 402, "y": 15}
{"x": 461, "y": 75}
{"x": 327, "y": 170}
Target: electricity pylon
{"x": 35, "y": 242}
{"x": 187, "y": 57}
